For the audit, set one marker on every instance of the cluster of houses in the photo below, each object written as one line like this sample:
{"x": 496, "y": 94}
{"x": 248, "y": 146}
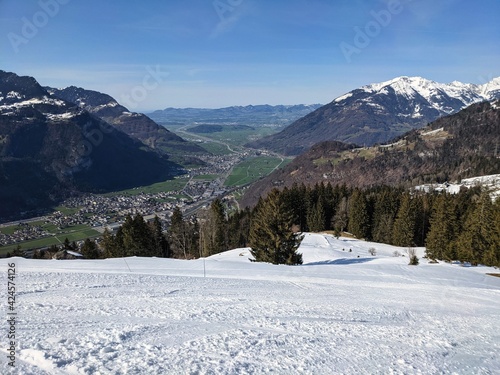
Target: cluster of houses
{"x": 23, "y": 232}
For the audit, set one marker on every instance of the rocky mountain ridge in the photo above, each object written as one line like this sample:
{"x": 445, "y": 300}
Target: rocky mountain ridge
{"x": 455, "y": 147}
{"x": 50, "y": 148}
{"x": 378, "y": 112}
{"x": 136, "y": 125}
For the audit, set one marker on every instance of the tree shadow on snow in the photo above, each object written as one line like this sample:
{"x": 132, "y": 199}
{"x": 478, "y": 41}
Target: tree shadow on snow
{"x": 338, "y": 262}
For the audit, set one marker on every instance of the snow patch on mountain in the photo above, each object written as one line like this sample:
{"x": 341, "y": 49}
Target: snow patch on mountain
{"x": 343, "y": 97}
{"x": 490, "y": 182}
{"x": 14, "y": 95}
{"x": 34, "y": 101}
{"x": 60, "y": 116}
{"x": 107, "y": 105}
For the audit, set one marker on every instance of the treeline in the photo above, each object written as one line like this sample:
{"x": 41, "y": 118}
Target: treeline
{"x": 210, "y": 233}
{"x": 136, "y": 237}
{"x": 463, "y": 226}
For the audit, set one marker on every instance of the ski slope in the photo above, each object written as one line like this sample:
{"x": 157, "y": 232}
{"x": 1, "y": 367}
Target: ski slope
{"x": 341, "y": 312}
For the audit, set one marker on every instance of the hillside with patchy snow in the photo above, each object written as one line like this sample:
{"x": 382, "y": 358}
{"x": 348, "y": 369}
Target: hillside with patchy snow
{"x": 456, "y": 147}
{"x": 379, "y": 112}
{"x": 490, "y": 183}
{"x": 344, "y": 311}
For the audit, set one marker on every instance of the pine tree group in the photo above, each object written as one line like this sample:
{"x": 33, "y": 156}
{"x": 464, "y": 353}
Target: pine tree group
{"x": 271, "y": 236}
{"x": 136, "y": 237}
{"x": 464, "y": 226}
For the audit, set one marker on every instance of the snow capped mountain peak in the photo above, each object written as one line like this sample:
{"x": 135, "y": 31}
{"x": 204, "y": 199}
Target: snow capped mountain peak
{"x": 398, "y": 82}
{"x": 446, "y": 98}
{"x": 491, "y": 89}
{"x": 426, "y": 87}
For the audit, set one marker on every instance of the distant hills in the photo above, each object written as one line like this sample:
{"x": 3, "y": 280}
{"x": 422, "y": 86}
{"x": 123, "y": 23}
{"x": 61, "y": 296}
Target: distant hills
{"x": 251, "y": 115}
{"x": 136, "y": 125}
{"x": 378, "y": 112}
{"x": 50, "y": 147}
{"x": 463, "y": 145}
{"x": 209, "y": 129}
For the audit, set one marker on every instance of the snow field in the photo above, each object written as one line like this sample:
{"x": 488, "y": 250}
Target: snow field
{"x": 336, "y": 314}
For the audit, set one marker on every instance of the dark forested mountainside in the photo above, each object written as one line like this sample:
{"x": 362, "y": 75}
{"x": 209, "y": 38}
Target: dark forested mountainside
{"x": 136, "y": 125}
{"x": 50, "y": 147}
{"x": 462, "y": 145}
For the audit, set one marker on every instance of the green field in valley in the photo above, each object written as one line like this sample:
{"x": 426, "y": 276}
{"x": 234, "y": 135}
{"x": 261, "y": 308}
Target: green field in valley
{"x": 216, "y": 148}
{"x": 206, "y": 177}
{"x": 240, "y": 137}
{"x": 76, "y": 233}
{"x": 252, "y": 169}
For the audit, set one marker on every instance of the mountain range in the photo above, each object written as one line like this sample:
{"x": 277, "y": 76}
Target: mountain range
{"x": 378, "y": 112}
{"x": 136, "y": 125}
{"x": 251, "y": 115}
{"x": 50, "y": 147}
{"x": 462, "y": 145}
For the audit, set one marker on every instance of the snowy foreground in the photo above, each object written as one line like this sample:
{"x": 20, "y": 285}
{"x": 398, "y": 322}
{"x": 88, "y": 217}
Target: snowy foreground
{"x": 336, "y": 314}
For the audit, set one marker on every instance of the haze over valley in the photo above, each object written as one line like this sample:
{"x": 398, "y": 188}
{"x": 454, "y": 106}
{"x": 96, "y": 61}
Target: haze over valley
{"x": 250, "y": 187}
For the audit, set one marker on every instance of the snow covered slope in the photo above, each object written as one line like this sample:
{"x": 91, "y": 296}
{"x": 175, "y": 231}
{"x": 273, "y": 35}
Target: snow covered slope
{"x": 342, "y": 312}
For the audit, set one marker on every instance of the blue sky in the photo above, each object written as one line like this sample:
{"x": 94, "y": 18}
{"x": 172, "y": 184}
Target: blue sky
{"x": 154, "y": 54}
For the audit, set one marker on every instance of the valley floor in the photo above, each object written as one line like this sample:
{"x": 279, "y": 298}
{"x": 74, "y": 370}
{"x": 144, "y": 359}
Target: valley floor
{"x": 336, "y": 314}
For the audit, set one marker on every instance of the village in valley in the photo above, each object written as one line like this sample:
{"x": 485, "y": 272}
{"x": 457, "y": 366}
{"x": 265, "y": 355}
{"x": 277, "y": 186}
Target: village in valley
{"x": 95, "y": 213}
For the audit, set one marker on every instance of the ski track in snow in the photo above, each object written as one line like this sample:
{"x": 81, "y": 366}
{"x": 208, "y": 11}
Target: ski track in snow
{"x": 336, "y": 314}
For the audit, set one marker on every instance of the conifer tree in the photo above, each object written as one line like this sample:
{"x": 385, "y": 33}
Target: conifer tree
{"x": 441, "y": 233}
{"x": 492, "y": 258}
{"x": 385, "y": 211}
{"x": 213, "y": 230}
{"x": 295, "y": 200}
{"x": 109, "y": 245}
{"x": 180, "y": 235}
{"x": 238, "y": 229}
{"x": 89, "y": 249}
{"x": 477, "y": 240}
{"x": 161, "y": 247}
{"x": 359, "y": 220}
{"x": 422, "y": 206}
{"x": 67, "y": 245}
{"x": 271, "y": 236}
{"x": 137, "y": 237}
{"x": 403, "y": 232}
{"x": 316, "y": 217}
{"x": 329, "y": 201}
